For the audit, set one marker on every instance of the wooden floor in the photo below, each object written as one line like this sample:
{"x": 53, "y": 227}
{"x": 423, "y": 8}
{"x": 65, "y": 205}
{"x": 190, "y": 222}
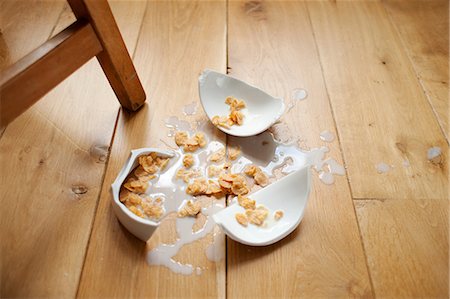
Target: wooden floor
{"x": 377, "y": 76}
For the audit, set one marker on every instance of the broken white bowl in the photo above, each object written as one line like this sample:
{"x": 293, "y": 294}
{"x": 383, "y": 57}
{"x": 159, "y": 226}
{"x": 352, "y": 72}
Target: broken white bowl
{"x": 289, "y": 194}
{"x": 262, "y": 110}
{"x": 140, "y": 227}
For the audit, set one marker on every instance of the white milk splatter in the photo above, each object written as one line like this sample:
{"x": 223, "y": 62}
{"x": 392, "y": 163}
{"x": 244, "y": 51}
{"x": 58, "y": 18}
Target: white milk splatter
{"x": 327, "y": 136}
{"x": 433, "y": 152}
{"x": 326, "y": 177}
{"x": 163, "y": 254}
{"x": 216, "y": 251}
{"x": 263, "y": 150}
{"x": 299, "y": 94}
{"x": 383, "y": 167}
{"x": 190, "y": 109}
{"x": 406, "y": 163}
{"x": 175, "y": 124}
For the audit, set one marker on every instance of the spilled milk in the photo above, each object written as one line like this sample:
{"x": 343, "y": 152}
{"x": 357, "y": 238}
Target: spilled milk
{"x": 263, "y": 150}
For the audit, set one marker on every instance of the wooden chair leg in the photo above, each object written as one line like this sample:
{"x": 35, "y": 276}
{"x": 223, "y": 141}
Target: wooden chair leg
{"x": 114, "y": 58}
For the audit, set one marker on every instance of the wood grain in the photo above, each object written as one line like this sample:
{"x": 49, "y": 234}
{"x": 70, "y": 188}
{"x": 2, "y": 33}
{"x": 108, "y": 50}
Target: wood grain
{"x": 25, "y": 82}
{"x": 381, "y": 112}
{"x": 423, "y": 29}
{"x": 53, "y": 160}
{"x": 178, "y": 40}
{"x": 406, "y": 242}
{"x": 25, "y": 25}
{"x": 324, "y": 256}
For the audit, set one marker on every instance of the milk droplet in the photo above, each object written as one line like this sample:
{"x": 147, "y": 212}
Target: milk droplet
{"x": 299, "y": 94}
{"x": 406, "y": 163}
{"x": 383, "y": 167}
{"x": 190, "y": 109}
{"x": 327, "y": 136}
{"x": 326, "y": 177}
{"x": 433, "y": 152}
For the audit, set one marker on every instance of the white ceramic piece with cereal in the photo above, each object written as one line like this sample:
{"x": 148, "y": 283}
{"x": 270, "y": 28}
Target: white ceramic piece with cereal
{"x": 262, "y": 110}
{"x": 289, "y": 194}
{"x": 140, "y": 227}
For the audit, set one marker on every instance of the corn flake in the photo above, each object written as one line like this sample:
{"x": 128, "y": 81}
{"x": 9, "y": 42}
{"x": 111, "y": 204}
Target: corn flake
{"x": 257, "y": 216}
{"x": 181, "y": 137}
{"x": 188, "y": 160}
{"x": 135, "y": 185}
{"x": 246, "y": 202}
{"x": 197, "y": 187}
{"x": 189, "y": 209}
{"x": 233, "y": 152}
{"x": 217, "y": 156}
{"x": 278, "y": 214}
{"x": 241, "y": 219}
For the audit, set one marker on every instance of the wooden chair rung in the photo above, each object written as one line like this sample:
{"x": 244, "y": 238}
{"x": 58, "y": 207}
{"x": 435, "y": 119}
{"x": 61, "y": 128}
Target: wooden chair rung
{"x": 25, "y": 82}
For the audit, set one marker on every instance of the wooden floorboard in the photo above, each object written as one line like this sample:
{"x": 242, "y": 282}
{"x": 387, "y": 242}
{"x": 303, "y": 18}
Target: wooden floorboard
{"x": 381, "y": 112}
{"x": 423, "y": 29}
{"x": 376, "y": 73}
{"x": 406, "y": 243}
{"x": 51, "y": 178}
{"x": 271, "y": 45}
{"x": 178, "y": 40}
{"x": 25, "y": 25}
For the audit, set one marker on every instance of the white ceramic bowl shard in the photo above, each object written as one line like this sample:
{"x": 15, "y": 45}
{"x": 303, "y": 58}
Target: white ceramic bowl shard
{"x": 289, "y": 194}
{"x": 262, "y": 111}
{"x": 141, "y": 228}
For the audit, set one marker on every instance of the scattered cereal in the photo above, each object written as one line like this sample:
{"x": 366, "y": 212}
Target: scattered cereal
{"x": 143, "y": 175}
{"x": 135, "y": 185}
{"x": 189, "y": 209}
{"x": 214, "y": 171}
{"x": 257, "y": 216}
{"x": 233, "y": 152}
{"x": 259, "y": 176}
{"x": 261, "y": 179}
{"x": 132, "y": 200}
{"x": 233, "y": 183}
{"x": 153, "y": 211}
{"x": 198, "y": 187}
{"x": 181, "y": 137}
{"x": 188, "y": 160}
{"x": 250, "y": 170}
{"x": 278, "y": 214}
{"x": 200, "y": 138}
{"x": 241, "y": 219}
{"x": 187, "y": 175}
{"x": 217, "y": 156}
{"x": 235, "y": 117}
{"x": 213, "y": 188}
{"x": 136, "y": 211}
{"x": 144, "y": 206}
{"x": 246, "y": 202}
{"x": 190, "y": 144}
{"x": 162, "y": 162}
{"x": 148, "y": 164}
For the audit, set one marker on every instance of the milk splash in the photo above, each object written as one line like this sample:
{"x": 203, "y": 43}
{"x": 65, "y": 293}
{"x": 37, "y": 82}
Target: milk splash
{"x": 263, "y": 150}
{"x": 164, "y": 253}
{"x": 269, "y": 150}
{"x": 297, "y": 95}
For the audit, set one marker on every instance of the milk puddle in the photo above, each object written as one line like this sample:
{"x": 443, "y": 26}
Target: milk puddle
{"x": 275, "y": 152}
